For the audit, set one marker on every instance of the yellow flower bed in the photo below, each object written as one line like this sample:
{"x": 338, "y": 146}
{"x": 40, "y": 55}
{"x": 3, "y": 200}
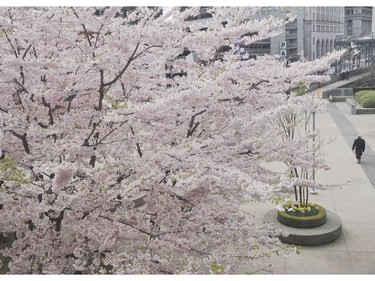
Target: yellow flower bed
{"x": 302, "y": 217}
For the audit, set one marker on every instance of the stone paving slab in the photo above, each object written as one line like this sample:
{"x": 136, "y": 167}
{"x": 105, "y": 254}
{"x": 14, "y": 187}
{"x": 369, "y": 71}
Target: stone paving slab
{"x": 354, "y": 251}
{"x": 349, "y": 133}
{"x": 362, "y": 263}
{"x": 353, "y": 200}
{"x": 319, "y": 262}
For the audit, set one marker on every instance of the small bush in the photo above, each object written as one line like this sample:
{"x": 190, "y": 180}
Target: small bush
{"x": 366, "y": 98}
{"x": 297, "y": 221}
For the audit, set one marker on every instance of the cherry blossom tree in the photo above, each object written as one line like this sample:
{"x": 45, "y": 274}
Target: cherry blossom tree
{"x": 89, "y": 120}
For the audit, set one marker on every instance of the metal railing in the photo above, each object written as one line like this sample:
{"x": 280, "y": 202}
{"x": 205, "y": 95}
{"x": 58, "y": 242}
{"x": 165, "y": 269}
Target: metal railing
{"x": 339, "y": 92}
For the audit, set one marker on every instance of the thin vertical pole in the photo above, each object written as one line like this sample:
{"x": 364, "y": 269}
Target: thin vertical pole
{"x": 313, "y": 191}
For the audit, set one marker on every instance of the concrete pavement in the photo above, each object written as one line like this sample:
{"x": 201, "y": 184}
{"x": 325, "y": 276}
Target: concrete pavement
{"x": 353, "y": 200}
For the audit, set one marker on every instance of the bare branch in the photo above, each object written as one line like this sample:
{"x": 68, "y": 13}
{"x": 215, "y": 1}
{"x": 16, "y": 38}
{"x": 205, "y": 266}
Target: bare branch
{"x": 137, "y": 144}
{"x": 36, "y": 56}
{"x": 24, "y": 141}
{"x": 24, "y": 55}
{"x": 97, "y": 36}
{"x": 255, "y": 86}
{"x": 87, "y": 35}
{"x": 145, "y": 50}
{"x": 192, "y": 126}
{"x": 10, "y": 43}
{"x": 19, "y": 84}
{"x": 131, "y": 58}
{"x": 128, "y": 224}
{"x": 51, "y": 122}
{"x": 249, "y": 152}
{"x": 86, "y": 141}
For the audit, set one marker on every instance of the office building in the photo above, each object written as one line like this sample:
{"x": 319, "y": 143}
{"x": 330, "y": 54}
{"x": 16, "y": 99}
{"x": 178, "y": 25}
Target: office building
{"x": 358, "y": 21}
{"x": 321, "y": 26}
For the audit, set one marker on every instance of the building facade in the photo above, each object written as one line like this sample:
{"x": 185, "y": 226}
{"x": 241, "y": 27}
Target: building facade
{"x": 294, "y": 34}
{"x": 313, "y": 33}
{"x": 269, "y": 46}
{"x": 358, "y": 21}
{"x": 321, "y": 26}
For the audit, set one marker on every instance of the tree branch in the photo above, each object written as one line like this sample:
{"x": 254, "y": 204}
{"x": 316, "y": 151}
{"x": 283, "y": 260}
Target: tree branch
{"x": 99, "y": 142}
{"x": 131, "y": 58}
{"x": 97, "y": 35}
{"x": 10, "y": 43}
{"x": 129, "y": 224}
{"x": 24, "y": 141}
{"x": 137, "y": 144}
{"x": 19, "y": 84}
{"x": 101, "y": 90}
{"x": 86, "y": 141}
{"x": 24, "y": 55}
{"x": 87, "y": 34}
{"x": 36, "y": 56}
{"x": 249, "y": 152}
{"x": 51, "y": 122}
{"x": 141, "y": 53}
{"x": 255, "y": 86}
{"x": 192, "y": 126}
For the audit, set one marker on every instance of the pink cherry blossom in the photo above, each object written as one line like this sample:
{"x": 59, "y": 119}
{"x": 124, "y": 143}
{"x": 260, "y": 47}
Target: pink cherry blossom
{"x": 91, "y": 121}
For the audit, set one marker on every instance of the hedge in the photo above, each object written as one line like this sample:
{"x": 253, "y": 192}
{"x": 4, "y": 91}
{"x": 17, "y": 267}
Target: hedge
{"x": 303, "y": 222}
{"x": 366, "y": 98}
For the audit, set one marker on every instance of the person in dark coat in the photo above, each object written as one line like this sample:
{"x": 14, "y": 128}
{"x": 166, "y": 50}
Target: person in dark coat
{"x": 359, "y": 146}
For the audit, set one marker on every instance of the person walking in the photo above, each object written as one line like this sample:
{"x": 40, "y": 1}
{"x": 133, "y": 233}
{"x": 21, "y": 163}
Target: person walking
{"x": 359, "y": 146}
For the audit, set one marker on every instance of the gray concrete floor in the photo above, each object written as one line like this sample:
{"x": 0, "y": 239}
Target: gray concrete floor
{"x": 353, "y": 200}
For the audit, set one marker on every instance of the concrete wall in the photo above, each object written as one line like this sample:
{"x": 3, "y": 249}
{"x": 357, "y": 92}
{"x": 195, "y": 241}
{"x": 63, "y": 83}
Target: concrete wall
{"x": 300, "y": 29}
{"x": 275, "y": 43}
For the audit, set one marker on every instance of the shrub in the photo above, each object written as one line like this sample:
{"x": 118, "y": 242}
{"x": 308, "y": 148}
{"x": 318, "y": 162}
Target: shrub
{"x": 297, "y": 221}
{"x": 366, "y": 98}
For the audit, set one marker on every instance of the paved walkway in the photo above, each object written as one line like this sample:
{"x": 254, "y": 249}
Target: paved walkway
{"x": 353, "y": 200}
{"x": 349, "y": 133}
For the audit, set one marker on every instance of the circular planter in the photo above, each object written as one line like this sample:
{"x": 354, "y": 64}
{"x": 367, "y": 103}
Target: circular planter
{"x": 323, "y": 234}
{"x": 288, "y": 219}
